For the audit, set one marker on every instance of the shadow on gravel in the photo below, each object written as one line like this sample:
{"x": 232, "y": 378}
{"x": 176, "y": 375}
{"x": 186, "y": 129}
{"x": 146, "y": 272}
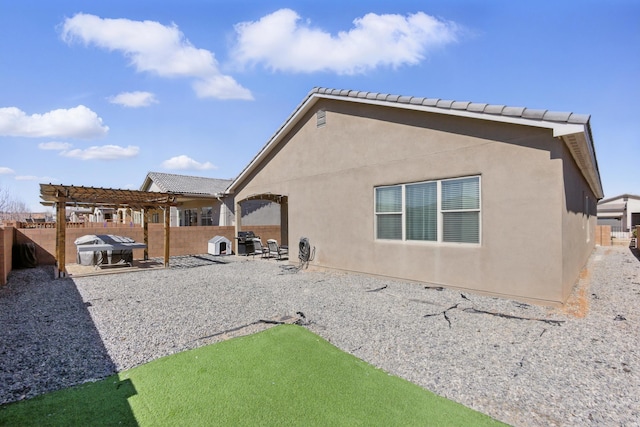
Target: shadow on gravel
{"x": 191, "y": 261}
{"x": 49, "y": 340}
{"x": 635, "y": 252}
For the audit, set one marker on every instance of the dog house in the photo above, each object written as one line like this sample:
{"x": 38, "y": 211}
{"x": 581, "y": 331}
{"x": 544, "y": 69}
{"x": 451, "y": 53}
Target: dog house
{"x": 220, "y": 245}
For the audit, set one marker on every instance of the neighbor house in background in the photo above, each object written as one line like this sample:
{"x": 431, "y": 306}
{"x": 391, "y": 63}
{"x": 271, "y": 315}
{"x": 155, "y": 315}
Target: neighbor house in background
{"x": 622, "y": 213}
{"x": 488, "y": 198}
{"x": 203, "y": 201}
{"x": 200, "y": 199}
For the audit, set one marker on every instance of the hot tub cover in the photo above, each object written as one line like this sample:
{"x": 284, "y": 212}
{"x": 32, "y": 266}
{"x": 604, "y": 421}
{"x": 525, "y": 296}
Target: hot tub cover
{"x": 110, "y": 249}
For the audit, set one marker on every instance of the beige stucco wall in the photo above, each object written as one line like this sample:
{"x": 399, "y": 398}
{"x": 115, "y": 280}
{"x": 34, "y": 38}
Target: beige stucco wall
{"x": 579, "y": 218}
{"x": 329, "y": 175}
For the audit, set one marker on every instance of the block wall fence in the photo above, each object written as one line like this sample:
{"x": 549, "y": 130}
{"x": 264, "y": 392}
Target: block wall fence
{"x": 603, "y": 235}
{"x": 183, "y": 241}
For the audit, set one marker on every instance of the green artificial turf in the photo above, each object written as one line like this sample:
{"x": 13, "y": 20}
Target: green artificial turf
{"x": 283, "y": 376}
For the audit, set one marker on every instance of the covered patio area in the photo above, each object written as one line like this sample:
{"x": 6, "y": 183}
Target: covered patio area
{"x": 280, "y": 199}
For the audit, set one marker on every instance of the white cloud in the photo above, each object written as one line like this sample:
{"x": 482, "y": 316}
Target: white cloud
{"x": 6, "y": 171}
{"x": 186, "y": 163}
{"x": 77, "y": 122}
{"x": 54, "y": 145}
{"x": 155, "y": 48}
{"x": 104, "y": 152}
{"x": 134, "y": 99}
{"x": 35, "y": 178}
{"x": 282, "y": 42}
{"x": 217, "y": 87}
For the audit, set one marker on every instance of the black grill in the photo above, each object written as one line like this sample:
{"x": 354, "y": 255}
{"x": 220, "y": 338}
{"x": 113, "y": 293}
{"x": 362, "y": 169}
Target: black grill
{"x": 245, "y": 242}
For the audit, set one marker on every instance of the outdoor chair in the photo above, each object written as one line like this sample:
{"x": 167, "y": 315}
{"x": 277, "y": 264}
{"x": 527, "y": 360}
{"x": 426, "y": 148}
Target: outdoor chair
{"x": 277, "y": 251}
{"x": 258, "y": 249}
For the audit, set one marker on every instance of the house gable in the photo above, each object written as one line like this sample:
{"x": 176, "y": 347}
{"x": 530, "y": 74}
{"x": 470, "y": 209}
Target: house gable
{"x": 573, "y": 129}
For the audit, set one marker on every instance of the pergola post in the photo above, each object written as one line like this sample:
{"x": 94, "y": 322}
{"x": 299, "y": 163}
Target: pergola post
{"x": 145, "y": 232}
{"x": 61, "y": 229}
{"x": 167, "y": 228}
{"x": 238, "y": 215}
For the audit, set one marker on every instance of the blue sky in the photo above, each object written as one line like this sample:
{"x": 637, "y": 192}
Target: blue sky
{"x": 100, "y": 93}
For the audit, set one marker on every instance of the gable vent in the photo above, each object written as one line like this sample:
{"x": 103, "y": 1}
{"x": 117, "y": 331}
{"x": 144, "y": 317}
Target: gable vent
{"x": 321, "y": 118}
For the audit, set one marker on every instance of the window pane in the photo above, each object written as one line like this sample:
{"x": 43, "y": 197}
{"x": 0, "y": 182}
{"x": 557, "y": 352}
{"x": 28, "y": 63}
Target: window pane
{"x": 422, "y": 211}
{"x": 461, "y": 194}
{"x": 461, "y": 227}
{"x": 389, "y": 226}
{"x": 206, "y": 216}
{"x": 389, "y": 199}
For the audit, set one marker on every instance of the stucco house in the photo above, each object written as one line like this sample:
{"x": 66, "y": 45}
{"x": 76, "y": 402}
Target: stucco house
{"x": 200, "y": 198}
{"x": 203, "y": 201}
{"x": 622, "y": 213}
{"x": 487, "y": 198}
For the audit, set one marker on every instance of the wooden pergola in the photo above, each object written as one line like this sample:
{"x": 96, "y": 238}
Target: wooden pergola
{"x": 62, "y": 196}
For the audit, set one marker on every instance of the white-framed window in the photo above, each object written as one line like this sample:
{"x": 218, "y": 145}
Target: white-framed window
{"x": 389, "y": 212}
{"x": 446, "y": 210}
{"x": 206, "y": 216}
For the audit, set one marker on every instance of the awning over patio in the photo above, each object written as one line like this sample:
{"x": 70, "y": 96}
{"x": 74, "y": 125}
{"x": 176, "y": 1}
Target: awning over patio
{"x": 281, "y": 199}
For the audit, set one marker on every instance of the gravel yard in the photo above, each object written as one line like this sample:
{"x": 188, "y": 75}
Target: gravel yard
{"x": 522, "y": 364}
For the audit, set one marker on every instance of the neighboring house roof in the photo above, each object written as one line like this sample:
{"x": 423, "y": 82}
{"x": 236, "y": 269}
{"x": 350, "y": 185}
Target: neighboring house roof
{"x": 574, "y": 129}
{"x": 186, "y": 184}
{"x": 612, "y": 208}
{"x": 623, "y": 197}
{"x": 615, "y": 206}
